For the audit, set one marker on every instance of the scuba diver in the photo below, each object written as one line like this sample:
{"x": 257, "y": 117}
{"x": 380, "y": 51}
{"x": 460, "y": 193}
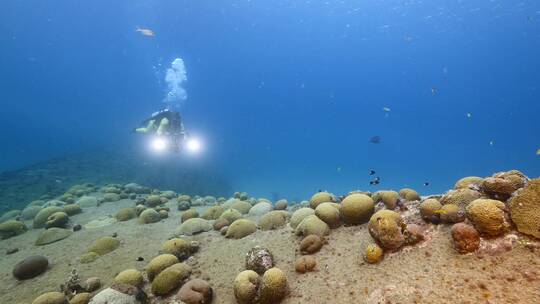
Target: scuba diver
{"x": 167, "y": 128}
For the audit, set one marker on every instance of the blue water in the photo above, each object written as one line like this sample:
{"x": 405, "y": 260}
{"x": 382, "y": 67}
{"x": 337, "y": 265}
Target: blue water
{"x": 284, "y": 94}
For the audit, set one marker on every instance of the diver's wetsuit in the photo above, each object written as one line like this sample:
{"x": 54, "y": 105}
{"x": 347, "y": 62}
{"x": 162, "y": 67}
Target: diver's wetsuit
{"x": 175, "y": 130}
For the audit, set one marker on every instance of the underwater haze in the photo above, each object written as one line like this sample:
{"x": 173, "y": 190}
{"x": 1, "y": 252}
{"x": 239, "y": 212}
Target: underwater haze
{"x": 286, "y": 96}
{"x": 269, "y": 151}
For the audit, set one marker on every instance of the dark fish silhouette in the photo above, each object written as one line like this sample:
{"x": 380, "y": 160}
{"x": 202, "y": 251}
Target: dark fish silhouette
{"x": 376, "y": 181}
{"x": 375, "y": 140}
{"x": 426, "y": 184}
{"x": 371, "y": 172}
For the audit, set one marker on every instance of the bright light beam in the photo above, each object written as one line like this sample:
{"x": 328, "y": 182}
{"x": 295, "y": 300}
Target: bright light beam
{"x": 159, "y": 144}
{"x": 193, "y": 145}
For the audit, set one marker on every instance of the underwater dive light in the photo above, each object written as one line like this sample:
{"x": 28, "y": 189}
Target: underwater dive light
{"x": 159, "y": 144}
{"x": 193, "y": 145}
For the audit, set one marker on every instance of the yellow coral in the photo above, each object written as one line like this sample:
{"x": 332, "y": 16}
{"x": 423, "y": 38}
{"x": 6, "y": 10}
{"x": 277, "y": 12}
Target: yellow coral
{"x": 487, "y": 216}
{"x": 525, "y": 209}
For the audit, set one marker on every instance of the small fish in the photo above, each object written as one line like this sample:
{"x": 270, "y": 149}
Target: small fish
{"x": 491, "y": 142}
{"x": 440, "y": 211}
{"x": 146, "y": 32}
{"x": 371, "y": 172}
{"x": 426, "y": 184}
{"x": 375, "y": 140}
{"x": 434, "y": 90}
{"x": 376, "y": 181}
{"x": 338, "y": 169}
{"x": 386, "y": 109}
{"x": 469, "y": 115}
{"x": 538, "y": 152}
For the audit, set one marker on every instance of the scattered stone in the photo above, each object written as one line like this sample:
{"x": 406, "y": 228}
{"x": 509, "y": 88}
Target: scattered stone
{"x": 113, "y": 296}
{"x": 469, "y": 182}
{"x": 305, "y": 264}
{"x": 373, "y": 254}
{"x": 220, "y": 223}
{"x": 72, "y": 209}
{"x": 273, "y": 220}
{"x": 88, "y": 257}
{"x": 260, "y": 209}
{"x": 131, "y": 277}
{"x": 460, "y": 197}
{"x": 57, "y": 219}
{"x": 281, "y": 204}
{"x": 111, "y": 197}
{"x": 389, "y": 198}
{"x": 231, "y": 215}
{"x": 525, "y": 209}
{"x": 42, "y": 217}
{"x": 11, "y": 228}
{"x": 356, "y": 208}
{"x": 159, "y": 263}
{"x": 430, "y": 210}
{"x": 30, "y": 267}
{"x": 451, "y": 214}
{"x": 242, "y": 206}
{"x": 311, "y": 244}
{"x": 213, "y": 213}
{"x": 241, "y": 228}
{"x": 195, "y": 291}
{"x": 189, "y": 214}
{"x": 52, "y": 235}
{"x": 321, "y": 197}
{"x": 183, "y": 205}
{"x": 125, "y": 214}
{"x": 92, "y": 284}
{"x": 465, "y": 238}
{"x": 487, "y": 216}
{"x": 246, "y": 286}
{"x": 104, "y": 245}
{"x": 10, "y": 215}
{"x": 259, "y": 259}
{"x": 51, "y": 298}
{"x": 312, "y": 225}
{"x": 81, "y": 298}
{"x": 179, "y": 248}
{"x": 30, "y": 212}
{"x": 299, "y": 215}
{"x": 87, "y": 201}
{"x": 409, "y": 195}
{"x": 170, "y": 278}
{"x": 149, "y": 216}
{"x": 194, "y": 226}
{"x": 386, "y": 226}
{"x": 273, "y": 286}
{"x": 329, "y": 214}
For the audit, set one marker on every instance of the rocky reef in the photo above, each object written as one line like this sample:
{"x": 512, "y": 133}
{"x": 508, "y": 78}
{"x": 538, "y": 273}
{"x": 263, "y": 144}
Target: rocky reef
{"x": 132, "y": 243}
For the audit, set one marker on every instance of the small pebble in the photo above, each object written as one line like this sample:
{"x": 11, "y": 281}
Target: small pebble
{"x": 114, "y": 235}
{"x": 77, "y": 227}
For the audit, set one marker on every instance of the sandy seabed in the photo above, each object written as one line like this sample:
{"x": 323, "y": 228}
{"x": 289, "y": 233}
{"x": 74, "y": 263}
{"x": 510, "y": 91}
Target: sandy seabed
{"x": 429, "y": 272}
